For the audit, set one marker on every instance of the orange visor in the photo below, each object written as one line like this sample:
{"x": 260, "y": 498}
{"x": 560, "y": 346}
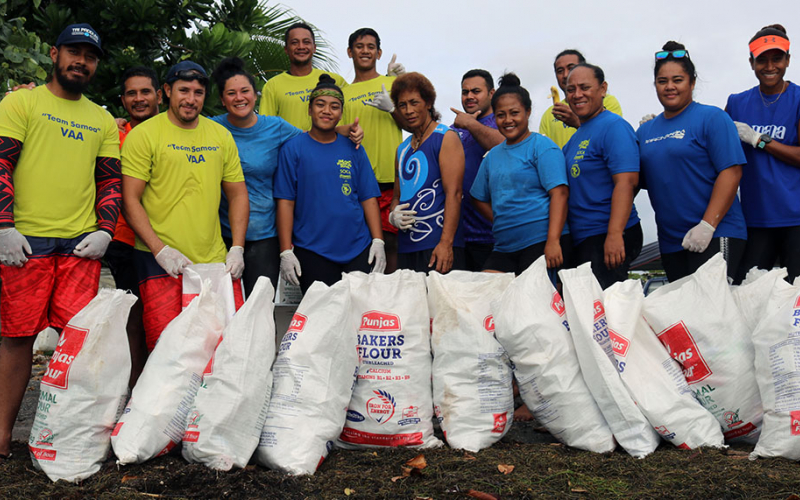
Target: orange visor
{"x": 769, "y": 42}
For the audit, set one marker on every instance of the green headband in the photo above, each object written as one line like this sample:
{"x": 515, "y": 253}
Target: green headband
{"x": 328, "y": 92}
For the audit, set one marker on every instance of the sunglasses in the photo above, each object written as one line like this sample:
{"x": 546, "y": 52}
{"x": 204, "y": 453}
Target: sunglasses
{"x": 189, "y": 75}
{"x": 677, "y": 54}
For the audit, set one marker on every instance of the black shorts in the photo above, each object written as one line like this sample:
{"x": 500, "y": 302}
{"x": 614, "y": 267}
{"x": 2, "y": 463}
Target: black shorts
{"x": 315, "y": 267}
{"x": 119, "y": 257}
{"x": 261, "y": 258}
{"x": 770, "y": 246}
{"x": 592, "y": 250}
{"x": 418, "y": 261}
{"x": 517, "y": 262}
{"x": 475, "y": 255}
{"x": 683, "y": 263}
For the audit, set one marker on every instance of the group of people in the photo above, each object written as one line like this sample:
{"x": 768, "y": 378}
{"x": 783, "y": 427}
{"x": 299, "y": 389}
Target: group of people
{"x": 321, "y": 182}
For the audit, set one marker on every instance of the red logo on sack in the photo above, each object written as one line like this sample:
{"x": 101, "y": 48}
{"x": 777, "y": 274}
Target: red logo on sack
{"x": 488, "y": 323}
{"x": 500, "y": 421}
{"x": 298, "y": 323}
{"x": 42, "y": 454}
{"x": 599, "y": 311}
{"x": 187, "y": 299}
{"x": 210, "y": 366}
{"x": 795, "y": 416}
{"x": 381, "y": 408}
{"x": 380, "y": 322}
{"x": 69, "y": 345}
{"x": 557, "y": 304}
{"x": 681, "y": 346}
{"x": 619, "y": 343}
{"x": 797, "y": 303}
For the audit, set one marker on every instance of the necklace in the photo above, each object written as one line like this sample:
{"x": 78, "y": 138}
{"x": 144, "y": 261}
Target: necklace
{"x": 768, "y": 104}
{"x": 421, "y": 137}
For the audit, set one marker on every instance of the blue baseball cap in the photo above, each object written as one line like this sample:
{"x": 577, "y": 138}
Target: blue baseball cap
{"x": 79, "y": 33}
{"x": 183, "y": 68}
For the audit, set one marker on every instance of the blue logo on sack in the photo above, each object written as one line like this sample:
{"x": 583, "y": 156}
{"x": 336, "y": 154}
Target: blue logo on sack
{"x": 354, "y": 416}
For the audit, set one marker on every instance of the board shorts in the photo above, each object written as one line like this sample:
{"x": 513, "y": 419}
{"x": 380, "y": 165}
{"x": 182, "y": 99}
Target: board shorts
{"x": 49, "y": 289}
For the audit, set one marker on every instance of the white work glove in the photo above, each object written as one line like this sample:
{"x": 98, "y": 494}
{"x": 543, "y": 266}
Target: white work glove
{"x": 402, "y": 218}
{"x": 747, "y": 134}
{"x": 172, "y": 261}
{"x": 13, "y": 247}
{"x": 382, "y": 101}
{"x": 698, "y": 237}
{"x": 395, "y": 68}
{"x": 290, "y": 267}
{"x": 377, "y": 252}
{"x": 646, "y": 118}
{"x": 93, "y": 246}
{"x": 234, "y": 262}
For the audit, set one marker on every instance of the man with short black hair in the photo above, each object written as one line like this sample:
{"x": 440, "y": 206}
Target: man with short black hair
{"x": 477, "y": 129}
{"x": 173, "y": 166}
{"x": 286, "y": 95}
{"x": 59, "y": 202}
{"x": 559, "y": 122}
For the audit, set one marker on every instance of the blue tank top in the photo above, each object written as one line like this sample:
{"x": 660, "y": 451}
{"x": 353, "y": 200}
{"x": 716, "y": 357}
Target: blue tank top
{"x": 421, "y": 187}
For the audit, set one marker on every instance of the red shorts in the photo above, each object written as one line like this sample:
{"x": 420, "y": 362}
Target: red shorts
{"x": 51, "y": 288}
{"x": 385, "y": 204}
{"x": 162, "y": 296}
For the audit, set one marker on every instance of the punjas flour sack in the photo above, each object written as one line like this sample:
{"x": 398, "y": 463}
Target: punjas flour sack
{"x": 155, "y": 419}
{"x": 83, "y": 390}
{"x": 392, "y": 402}
{"x": 653, "y": 379}
{"x": 225, "y": 423}
{"x": 698, "y": 322}
{"x": 313, "y": 380}
{"x": 530, "y": 323}
{"x": 471, "y": 372}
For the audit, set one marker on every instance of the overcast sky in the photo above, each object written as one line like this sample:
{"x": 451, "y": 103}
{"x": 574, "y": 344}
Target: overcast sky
{"x": 444, "y": 38}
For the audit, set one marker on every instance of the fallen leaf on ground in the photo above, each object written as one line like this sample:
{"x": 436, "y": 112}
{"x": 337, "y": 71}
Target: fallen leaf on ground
{"x": 467, "y": 456}
{"x": 578, "y": 490}
{"x": 397, "y": 478}
{"x": 127, "y": 478}
{"x": 349, "y": 491}
{"x": 505, "y": 469}
{"x": 793, "y": 497}
{"x": 418, "y": 462}
{"x": 480, "y": 495}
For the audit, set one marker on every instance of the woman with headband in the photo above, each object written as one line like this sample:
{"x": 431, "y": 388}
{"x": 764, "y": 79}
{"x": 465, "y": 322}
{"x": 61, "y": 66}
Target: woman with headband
{"x": 691, "y": 163}
{"x": 602, "y": 161}
{"x": 328, "y": 216}
{"x": 768, "y": 119}
{"x": 427, "y": 191}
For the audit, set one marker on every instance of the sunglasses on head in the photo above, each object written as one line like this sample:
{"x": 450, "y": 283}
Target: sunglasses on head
{"x": 677, "y": 54}
{"x": 191, "y": 74}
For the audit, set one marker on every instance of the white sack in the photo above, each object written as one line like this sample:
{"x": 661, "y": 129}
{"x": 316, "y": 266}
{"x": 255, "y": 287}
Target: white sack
{"x": 530, "y": 323}
{"x": 154, "y": 421}
{"x": 472, "y": 391}
{"x": 392, "y": 403}
{"x": 313, "y": 380}
{"x": 83, "y": 390}
{"x": 587, "y": 319}
{"x": 698, "y": 322}
{"x": 777, "y": 346}
{"x": 232, "y": 296}
{"x": 653, "y": 379}
{"x": 225, "y": 423}
{"x": 752, "y": 295}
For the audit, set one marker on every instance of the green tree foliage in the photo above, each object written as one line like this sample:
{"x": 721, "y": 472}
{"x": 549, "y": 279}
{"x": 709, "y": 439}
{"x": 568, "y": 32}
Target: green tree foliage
{"x": 156, "y": 33}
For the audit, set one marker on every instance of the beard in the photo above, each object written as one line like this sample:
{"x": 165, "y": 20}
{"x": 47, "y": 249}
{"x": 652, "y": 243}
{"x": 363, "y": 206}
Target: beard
{"x": 67, "y": 83}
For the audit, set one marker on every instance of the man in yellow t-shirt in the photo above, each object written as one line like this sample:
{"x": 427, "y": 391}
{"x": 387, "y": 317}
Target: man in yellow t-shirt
{"x": 286, "y": 95}
{"x": 559, "y": 122}
{"x": 59, "y": 202}
{"x": 173, "y": 166}
{"x": 367, "y": 99}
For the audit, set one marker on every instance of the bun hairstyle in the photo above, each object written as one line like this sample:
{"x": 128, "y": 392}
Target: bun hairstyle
{"x": 227, "y": 69}
{"x": 510, "y": 84}
{"x": 326, "y": 86}
{"x": 685, "y": 62}
{"x": 772, "y": 29}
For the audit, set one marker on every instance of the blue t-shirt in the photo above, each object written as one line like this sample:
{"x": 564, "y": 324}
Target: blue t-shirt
{"x": 327, "y": 182}
{"x": 258, "y": 151}
{"x": 770, "y": 188}
{"x": 602, "y": 147}
{"x": 476, "y": 228}
{"x": 421, "y": 186}
{"x": 681, "y": 158}
{"x": 516, "y": 181}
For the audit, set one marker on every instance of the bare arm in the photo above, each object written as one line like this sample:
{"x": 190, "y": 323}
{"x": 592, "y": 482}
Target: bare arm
{"x": 285, "y": 223}
{"x": 372, "y": 214}
{"x": 451, "y": 165}
{"x": 484, "y": 208}
{"x": 723, "y": 194}
{"x": 487, "y": 137}
{"x": 621, "y": 204}
{"x": 558, "y": 217}
{"x": 136, "y": 216}
{"x": 784, "y": 152}
{"x": 238, "y": 210}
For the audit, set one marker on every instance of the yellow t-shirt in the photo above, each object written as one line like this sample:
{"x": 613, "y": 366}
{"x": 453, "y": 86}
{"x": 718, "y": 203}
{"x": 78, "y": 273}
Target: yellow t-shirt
{"x": 184, "y": 170}
{"x": 54, "y": 187}
{"x": 381, "y": 133}
{"x": 556, "y": 130}
{"x": 286, "y": 96}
